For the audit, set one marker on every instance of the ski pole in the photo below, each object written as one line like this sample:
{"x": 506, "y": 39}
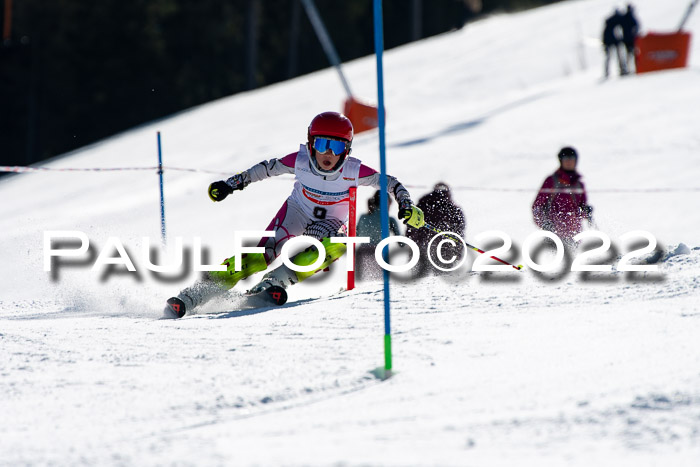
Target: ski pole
{"x": 687, "y": 14}
{"x": 438, "y": 231}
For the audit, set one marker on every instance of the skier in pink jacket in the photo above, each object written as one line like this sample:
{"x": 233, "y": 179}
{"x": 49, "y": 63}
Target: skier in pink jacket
{"x": 317, "y": 207}
{"x": 561, "y": 204}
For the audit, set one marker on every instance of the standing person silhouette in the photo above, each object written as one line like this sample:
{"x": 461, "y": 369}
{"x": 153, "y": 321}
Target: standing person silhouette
{"x": 612, "y": 42}
{"x": 630, "y": 29}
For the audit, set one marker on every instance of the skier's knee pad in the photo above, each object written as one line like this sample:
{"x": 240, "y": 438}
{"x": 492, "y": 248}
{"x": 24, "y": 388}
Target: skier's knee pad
{"x": 310, "y": 255}
{"x": 250, "y": 264}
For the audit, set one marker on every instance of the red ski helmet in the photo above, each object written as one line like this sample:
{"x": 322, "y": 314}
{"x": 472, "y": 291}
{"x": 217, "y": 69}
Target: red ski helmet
{"x": 335, "y": 126}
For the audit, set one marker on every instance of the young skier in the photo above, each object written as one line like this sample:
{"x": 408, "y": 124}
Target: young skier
{"x": 561, "y": 204}
{"x": 317, "y": 207}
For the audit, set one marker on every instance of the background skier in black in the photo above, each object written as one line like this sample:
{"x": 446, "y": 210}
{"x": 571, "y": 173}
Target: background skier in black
{"x": 442, "y": 213}
{"x": 612, "y": 42}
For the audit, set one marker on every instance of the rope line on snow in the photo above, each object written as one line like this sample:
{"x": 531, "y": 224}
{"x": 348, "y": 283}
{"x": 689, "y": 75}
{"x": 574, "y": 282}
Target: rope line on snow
{"x": 23, "y": 169}
{"x": 565, "y": 190}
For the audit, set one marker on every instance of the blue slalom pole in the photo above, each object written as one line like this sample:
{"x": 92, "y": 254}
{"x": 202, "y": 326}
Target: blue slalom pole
{"x": 162, "y": 198}
{"x": 383, "y": 200}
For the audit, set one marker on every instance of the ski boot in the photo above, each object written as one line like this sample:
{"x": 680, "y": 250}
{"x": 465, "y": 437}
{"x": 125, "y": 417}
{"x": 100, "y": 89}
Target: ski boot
{"x": 175, "y": 308}
{"x": 270, "y": 291}
{"x": 216, "y": 283}
{"x": 273, "y": 286}
{"x": 275, "y": 282}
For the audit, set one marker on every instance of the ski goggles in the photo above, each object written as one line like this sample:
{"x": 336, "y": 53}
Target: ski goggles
{"x": 322, "y": 145}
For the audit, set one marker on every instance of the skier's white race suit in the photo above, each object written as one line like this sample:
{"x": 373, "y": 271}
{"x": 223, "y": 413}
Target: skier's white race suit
{"x": 318, "y": 205}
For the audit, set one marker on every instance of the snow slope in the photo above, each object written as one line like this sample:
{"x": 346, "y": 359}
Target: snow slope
{"x": 491, "y": 369}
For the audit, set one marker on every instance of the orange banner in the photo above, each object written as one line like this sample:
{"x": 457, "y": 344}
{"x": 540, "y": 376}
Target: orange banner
{"x": 656, "y": 51}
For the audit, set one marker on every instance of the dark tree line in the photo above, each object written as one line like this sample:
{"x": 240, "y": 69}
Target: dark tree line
{"x": 75, "y": 71}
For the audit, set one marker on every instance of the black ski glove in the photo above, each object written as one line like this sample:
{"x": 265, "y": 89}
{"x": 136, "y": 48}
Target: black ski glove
{"x": 218, "y": 191}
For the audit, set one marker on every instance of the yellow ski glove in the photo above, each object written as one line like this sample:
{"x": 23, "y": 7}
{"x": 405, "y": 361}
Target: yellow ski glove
{"x": 411, "y": 215}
